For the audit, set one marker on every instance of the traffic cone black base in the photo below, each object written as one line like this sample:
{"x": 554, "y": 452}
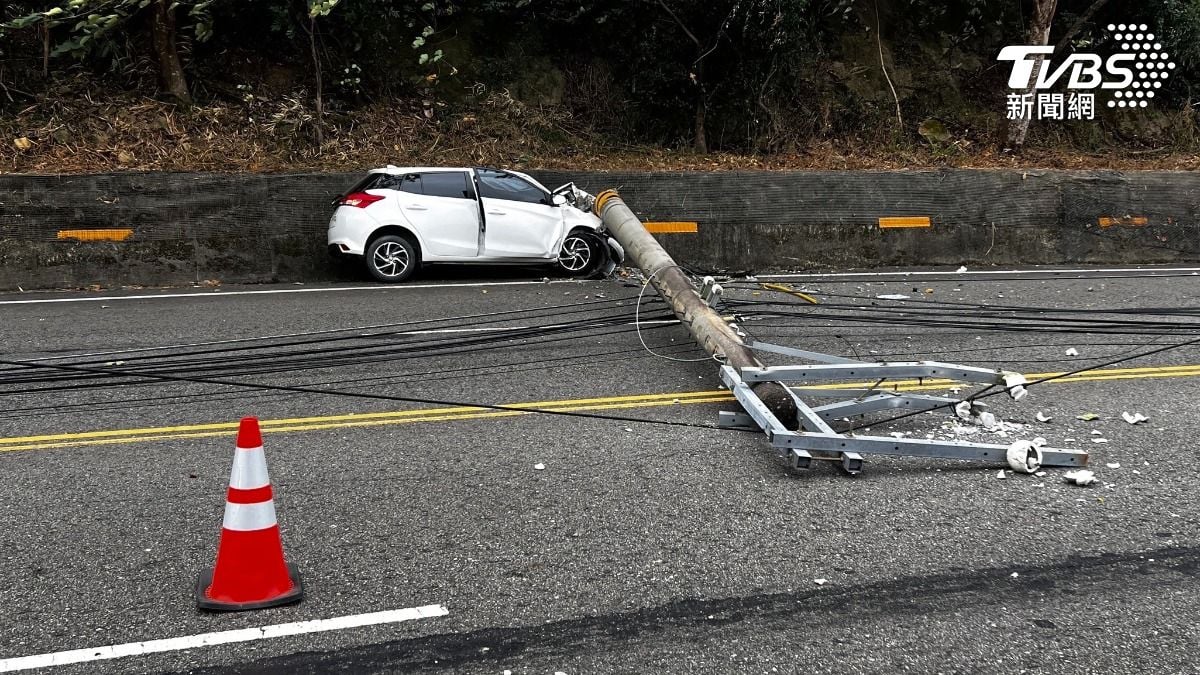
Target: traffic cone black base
{"x": 204, "y": 602}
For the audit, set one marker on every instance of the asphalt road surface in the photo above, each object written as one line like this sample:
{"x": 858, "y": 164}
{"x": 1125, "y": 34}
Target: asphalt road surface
{"x": 650, "y": 540}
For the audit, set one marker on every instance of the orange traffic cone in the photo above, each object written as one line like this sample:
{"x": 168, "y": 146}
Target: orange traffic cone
{"x": 250, "y": 572}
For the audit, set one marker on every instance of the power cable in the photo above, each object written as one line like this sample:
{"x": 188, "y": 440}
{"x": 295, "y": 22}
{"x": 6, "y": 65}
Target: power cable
{"x": 381, "y": 397}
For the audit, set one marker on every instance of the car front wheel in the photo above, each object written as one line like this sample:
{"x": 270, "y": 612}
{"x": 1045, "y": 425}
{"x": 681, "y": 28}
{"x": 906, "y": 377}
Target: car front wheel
{"x": 392, "y": 259}
{"x": 582, "y": 254}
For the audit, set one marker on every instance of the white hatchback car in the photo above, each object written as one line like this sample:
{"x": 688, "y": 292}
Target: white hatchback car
{"x": 398, "y": 218}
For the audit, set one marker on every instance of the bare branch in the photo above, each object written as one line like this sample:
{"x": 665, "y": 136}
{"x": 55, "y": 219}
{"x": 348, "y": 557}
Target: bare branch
{"x": 675, "y": 16}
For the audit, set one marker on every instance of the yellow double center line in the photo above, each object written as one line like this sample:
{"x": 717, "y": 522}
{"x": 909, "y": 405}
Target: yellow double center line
{"x": 297, "y": 424}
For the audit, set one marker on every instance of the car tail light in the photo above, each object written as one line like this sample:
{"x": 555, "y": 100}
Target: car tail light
{"x": 359, "y": 200}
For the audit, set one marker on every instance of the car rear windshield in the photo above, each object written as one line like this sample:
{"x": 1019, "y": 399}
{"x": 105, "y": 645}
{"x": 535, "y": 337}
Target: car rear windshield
{"x": 365, "y": 183}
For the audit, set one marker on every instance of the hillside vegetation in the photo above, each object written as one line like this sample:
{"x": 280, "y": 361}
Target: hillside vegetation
{"x": 271, "y": 85}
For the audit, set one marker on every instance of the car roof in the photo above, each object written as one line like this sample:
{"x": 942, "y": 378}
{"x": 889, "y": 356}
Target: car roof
{"x": 394, "y": 170}
{"x": 417, "y": 169}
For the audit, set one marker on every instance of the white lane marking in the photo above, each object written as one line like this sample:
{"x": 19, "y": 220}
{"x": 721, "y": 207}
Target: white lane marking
{"x": 219, "y": 638}
{"x": 277, "y": 291}
{"x": 1148, "y": 270}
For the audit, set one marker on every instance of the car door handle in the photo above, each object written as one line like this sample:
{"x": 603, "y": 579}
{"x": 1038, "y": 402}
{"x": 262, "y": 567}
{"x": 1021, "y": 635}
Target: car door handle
{"x": 415, "y": 207}
{"x": 496, "y": 212}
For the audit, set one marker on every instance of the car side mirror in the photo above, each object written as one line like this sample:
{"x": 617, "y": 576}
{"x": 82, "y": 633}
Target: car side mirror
{"x": 558, "y": 200}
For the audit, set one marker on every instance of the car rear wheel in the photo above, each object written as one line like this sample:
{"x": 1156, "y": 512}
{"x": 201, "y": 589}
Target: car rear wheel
{"x": 582, "y": 254}
{"x": 392, "y": 259}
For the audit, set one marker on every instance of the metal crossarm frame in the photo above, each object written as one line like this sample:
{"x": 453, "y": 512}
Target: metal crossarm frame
{"x": 816, "y": 436}
{"x": 884, "y": 401}
{"x": 843, "y": 371}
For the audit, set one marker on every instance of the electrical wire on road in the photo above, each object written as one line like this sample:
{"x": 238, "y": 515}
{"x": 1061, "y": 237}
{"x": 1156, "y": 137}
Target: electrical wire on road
{"x": 440, "y": 374}
{"x": 207, "y": 363}
{"x": 365, "y": 395}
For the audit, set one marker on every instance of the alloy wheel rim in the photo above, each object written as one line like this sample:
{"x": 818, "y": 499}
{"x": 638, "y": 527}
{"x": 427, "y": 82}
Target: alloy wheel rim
{"x": 390, "y": 259}
{"x": 575, "y": 254}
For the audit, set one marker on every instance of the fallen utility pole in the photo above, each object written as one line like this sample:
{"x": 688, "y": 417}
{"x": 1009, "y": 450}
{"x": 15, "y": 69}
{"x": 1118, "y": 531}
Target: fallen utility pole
{"x": 771, "y": 396}
{"x": 707, "y": 327}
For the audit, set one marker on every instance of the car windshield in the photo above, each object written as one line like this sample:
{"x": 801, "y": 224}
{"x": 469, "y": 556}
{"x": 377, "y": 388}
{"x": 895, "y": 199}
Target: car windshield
{"x": 496, "y": 184}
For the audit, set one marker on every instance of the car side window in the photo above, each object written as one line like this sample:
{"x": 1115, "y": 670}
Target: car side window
{"x": 410, "y": 182}
{"x": 447, "y": 184}
{"x": 503, "y": 185}
{"x": 386, "y": 181}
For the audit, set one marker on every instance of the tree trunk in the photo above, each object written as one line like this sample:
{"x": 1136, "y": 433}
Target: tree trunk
{"x": 312, "y": 43}
{"x": 700, "y": 142}
{"x": 170, "y": 70}
{"x": 1039, "y": 34}
{"x": 46, "y": 48}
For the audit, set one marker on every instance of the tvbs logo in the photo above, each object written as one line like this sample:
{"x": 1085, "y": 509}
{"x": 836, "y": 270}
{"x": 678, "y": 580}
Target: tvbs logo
{"x": 1133, "y": 73}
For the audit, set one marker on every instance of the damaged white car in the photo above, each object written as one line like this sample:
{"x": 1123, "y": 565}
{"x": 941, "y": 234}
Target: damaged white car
{"x": 399, "y": 218}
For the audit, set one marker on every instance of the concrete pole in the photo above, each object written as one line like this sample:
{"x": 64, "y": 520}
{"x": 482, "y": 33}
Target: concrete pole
{"x": 706, "y": 326}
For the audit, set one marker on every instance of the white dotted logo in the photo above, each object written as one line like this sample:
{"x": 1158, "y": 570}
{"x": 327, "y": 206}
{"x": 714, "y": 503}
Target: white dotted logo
{"x": 1151, "y": 65}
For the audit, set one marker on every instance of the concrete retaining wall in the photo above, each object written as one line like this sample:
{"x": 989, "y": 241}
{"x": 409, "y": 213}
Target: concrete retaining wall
{"x": 252, "y": 228}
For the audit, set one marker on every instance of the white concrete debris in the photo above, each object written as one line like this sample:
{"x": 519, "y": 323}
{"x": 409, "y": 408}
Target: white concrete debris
{"x": 539, "y": 467}
{"x": 820, "y": 582}
{"x": 1014, "y": 575}
{"x": 963, "y": 410}
{"x": 1043, "y": 417}
{"x": 1072, "y": 352}
{"x": 1135, "y": 418}
{"x": 1097, "y": 432}
{"x": 1001, "y": 475}
{"x": 1024, "y": 456}
{"x": 1015, "y": 383}
{"x": 892, "y": 296}
{"x": 1080, "y": 477}
{"x": 1099, "y": 440}
{"x": 962, "y": 269}
{"x": 988, "y": 420}
{"x": 1113, "y": 465}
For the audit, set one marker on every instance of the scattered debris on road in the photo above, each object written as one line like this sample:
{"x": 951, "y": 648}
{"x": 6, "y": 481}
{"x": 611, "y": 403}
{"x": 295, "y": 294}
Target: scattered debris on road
{"x": 1135, "y": 418}
{"x": 1024, "y": 456}
{"x": 1080, "y": 477}
{"x": 1043, "y": 417}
